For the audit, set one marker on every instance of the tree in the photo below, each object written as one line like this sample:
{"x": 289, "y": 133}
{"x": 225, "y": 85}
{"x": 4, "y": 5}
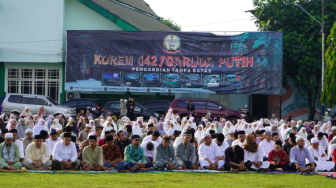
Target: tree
{"x": 170, "y": 23}
{"x": 302, "y": 38}
{"x": 329, "y": 87}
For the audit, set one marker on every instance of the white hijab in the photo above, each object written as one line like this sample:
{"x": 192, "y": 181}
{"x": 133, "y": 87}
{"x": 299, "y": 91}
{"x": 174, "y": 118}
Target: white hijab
{"x": 212, "y": 127}
{"x": 303, "y": 135}
{"x": 199, "y": 133}
{"x": 227, "y": 128}
{"x": 38, "y": 127}
{"x": 136, "y": 129}
{"x": 56, "y": 125}
{"x": 170, "y": 114}
{"x": 171, "y": 129}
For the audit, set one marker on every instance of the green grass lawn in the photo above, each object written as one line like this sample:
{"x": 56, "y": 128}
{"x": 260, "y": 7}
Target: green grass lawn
{"x": 168, "y": 180}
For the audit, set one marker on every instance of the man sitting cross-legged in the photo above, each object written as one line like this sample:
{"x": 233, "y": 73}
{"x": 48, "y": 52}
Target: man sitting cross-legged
{"x": 37, "y": 155}
{"x": 93, "y": 156}
{"x": 111, "y": 154}
{"x": 135, "y": 156}
{"x": 209, "y": 154}
{"x": 65, "y": 154}
{"x": 164, "y": 156}
{"x": 9, "y": 154}
{"x": 185, "y": 152}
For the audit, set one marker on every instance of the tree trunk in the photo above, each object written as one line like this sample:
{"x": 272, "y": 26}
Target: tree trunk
{"x": 311, "y": 109}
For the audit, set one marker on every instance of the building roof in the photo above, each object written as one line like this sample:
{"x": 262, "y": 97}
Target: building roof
{"x": 139, "y": 4}
{"x": 133, "y": 15}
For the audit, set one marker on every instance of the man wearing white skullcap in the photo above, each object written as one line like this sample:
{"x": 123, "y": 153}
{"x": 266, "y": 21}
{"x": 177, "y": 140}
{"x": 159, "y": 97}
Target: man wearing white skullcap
{"x": 298, "y": 155}
{"x": 28, "y": 139}
{"x": 9, "y": 154}
{"x": 320, "y": 157}
{"x": 84, "y": 133}
{"x": 209, "y": 154}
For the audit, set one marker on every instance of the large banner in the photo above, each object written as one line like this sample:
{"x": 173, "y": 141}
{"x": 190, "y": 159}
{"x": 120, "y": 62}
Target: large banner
{"x": 178, "y": 62}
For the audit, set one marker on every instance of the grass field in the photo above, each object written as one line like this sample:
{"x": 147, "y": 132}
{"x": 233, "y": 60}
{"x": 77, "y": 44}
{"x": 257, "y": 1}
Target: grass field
{"x": 169, "y": 180}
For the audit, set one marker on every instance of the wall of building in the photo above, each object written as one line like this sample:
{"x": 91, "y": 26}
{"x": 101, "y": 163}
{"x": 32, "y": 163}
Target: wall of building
{"x": 31, "y": 31}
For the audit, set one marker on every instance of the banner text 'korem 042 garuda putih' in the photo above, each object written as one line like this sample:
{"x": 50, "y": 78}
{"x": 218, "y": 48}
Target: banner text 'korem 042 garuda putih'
{"x": 178, "y": 62}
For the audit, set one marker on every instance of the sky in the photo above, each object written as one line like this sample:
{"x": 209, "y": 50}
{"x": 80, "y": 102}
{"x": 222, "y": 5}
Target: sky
{"x": 207, "y": 15}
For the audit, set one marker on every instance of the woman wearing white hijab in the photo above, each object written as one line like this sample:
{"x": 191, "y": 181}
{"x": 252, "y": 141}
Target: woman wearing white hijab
{"x": 26, "y": 113}
{"x": 316, "y": 130}
{"x": 212, "y": 127}
{"x": 193, "y": 124}
{"x": 56, "y": 125}
{"x": 199, "y": 133}
{"x": 283, "y": 131}
{"x": 254, "y": 126}
{"x": 136, "y": 129}
{"x": 227, "y": 128}
{"x": 184, "y": 122}
{"x": 166, "y": 125}
{"x": 178, "y": 127}
{"x": 112, "y": 123}
{"x": 107, "y": 127}
{"x": 171, "y": 129}
{"x": 245, "y": 127}
{"x": 170, "y": 114}
{"x": 39, "y": 126}
{"x": 303, "y": 133}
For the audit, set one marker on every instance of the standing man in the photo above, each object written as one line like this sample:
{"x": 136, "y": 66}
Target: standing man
{"x": 65, "y": 154}
{"x": 209, "y": 154}
{"x": 164, "y": 156}
{"x": 93, "y": 156}
{"x": 9, "y": 154}
{"x": 111, "y": 155}
{"x": 122, "y": 142}
{"x": 185, "y": 153}
{"x": 37, "y": 155}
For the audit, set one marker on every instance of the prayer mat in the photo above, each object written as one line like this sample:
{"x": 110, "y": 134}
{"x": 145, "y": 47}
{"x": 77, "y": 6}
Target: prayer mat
{"x": 327, "y": 173}
{"x": 22, "y": 170}
{"x": 70, "y": 171}
{"x": 102, "y": 172}
{"x": 281, "y": 172}
{"x": 41, "y": 171}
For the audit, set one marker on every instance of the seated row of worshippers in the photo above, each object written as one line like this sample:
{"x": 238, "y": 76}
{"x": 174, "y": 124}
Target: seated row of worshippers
{"x": 158, "y": 152}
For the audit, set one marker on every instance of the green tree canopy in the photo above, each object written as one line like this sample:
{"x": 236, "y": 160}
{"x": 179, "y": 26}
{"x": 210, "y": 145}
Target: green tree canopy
{"x": 170, "y": 23}
{"x": 302, "y": 47}
{"x": 329, "y": 87}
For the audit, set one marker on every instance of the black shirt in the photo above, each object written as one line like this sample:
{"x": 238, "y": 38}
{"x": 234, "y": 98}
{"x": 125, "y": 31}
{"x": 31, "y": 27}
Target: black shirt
{"x": 231, "y": 156}
{"x": 122, "y": 146}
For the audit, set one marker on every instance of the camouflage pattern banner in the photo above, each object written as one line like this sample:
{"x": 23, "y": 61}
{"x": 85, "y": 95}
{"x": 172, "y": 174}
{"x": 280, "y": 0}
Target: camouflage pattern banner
{"x": 178, "y": 62}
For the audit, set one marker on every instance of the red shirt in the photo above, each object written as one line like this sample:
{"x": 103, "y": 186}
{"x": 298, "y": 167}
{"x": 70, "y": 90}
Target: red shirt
{"x": 281, "y": 155}
{"x": 333, "y": 154}
{"x": 330, "y": 137}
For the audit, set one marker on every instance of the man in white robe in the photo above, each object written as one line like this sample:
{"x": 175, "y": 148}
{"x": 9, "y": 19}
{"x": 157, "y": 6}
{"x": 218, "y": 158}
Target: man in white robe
{"x": 241, "y": 139}
{"x": 209, "y": 155}
{"x": 18, "y": 142}
{"x": 320, "y": 157}
{"x": 266, "y": 145}
{"x": 52, "y": 141}
{"x": 155, "y": 137}
{"x": 222, "y": 145}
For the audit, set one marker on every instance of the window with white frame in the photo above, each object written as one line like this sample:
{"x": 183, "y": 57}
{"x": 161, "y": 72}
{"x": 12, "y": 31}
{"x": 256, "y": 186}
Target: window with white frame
{"x": 34, "y": 81}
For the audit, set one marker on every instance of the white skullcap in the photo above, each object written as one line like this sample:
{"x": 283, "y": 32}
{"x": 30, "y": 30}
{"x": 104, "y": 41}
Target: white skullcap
{"x": 316, "y": 126}
{"x": 206, "y": 135}
{"x": 232, "y": 131}
{"x": 91, "y": 121}
{"x": 298, "y": 138}
{"x": 92, "y": 134}
{"x": 333, "y": 128}
{"x": 28, "y": 131}
{"x": 9, "y": 135}
{"x": 314, "y": 140}
{"x": 88, "y": 126}
{"x": 292, "y": 121}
